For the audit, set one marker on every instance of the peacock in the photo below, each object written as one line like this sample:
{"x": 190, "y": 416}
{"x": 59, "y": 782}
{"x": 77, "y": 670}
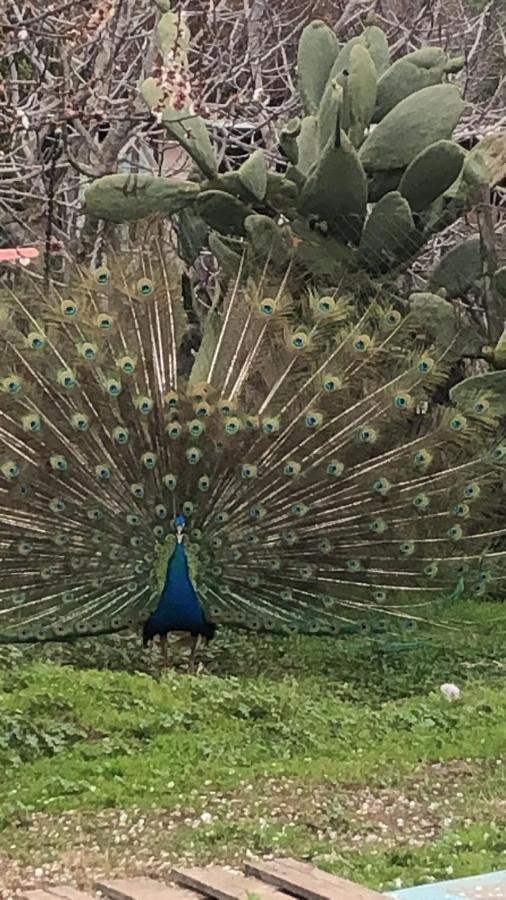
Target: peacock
{"x": 302, "y": 470}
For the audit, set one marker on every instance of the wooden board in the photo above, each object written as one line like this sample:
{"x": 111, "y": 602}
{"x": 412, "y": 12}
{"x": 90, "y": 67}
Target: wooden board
{"x": 58, "y": 891}
{"x": 224, "y": 885}
{"x": 140, "y": 889}
{"x": 310, "y": 883}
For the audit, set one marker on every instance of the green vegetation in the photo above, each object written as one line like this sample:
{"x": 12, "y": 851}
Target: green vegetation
{"x": 340, "y": 751}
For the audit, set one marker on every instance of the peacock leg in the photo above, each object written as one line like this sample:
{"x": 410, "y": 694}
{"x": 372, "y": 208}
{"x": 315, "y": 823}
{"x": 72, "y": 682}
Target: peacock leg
{"x": 164, "y": 651}
{"x": 194, "y": 642}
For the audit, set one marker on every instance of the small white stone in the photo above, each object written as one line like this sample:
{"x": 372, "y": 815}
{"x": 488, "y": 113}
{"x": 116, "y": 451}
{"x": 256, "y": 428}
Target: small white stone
{"x": 450, "y": 691}
{"x": 206, "y": 818}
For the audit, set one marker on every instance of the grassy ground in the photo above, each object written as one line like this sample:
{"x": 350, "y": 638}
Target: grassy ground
{"x": 341, "y": 752}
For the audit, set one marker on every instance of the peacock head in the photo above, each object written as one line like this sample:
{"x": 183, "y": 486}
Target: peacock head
{"x": 180, "y": 522}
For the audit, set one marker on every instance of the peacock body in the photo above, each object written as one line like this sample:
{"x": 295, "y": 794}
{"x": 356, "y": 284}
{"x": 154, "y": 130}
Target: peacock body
{"x": 289, "y": 482}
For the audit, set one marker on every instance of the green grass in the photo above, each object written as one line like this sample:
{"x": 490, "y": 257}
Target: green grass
{"x": 341, "y": 752}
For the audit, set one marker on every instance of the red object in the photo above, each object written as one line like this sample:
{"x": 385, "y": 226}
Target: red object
{"x": 9, "y": 253}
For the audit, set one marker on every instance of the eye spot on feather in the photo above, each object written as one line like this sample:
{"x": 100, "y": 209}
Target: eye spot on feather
{"x": 331, "y": 383}
{"x": 170, "y": 481}
{"x": 268, "y": 307}
{"x": 102, "y": 275}
{"x": 69, "y": 308}
{"x": 35, "y": 340}
{"x": 66, "y": 378}
{"x": 379, "y": 596}
{"x": 455, "y": 532}
{"x": 392, "y": 318}
{"x": 102, "y": 472}
{"x": 31, "y": 423}
{"x": 378, "y": 526}
{"x": 133, "y": 520}
{"x": 299, "y": 340}
{"x": 80, "y": 421}
{"x": 421, "y": 501}
{"x": 10, "y": 469}
{"x": 300, "y": 509}
{"x": 12, "y": 384}
{"x": 425, "y": 365}
{"x": 248, "y": 470}
{"x": 362, "y": 343}
{"x": 126, "y": 364}
{"x": 113, "y": 387}
{"x": 193, "y": 455}
{"x": 403, "y": 401}
{"x": 498, "y": 454}
{"x": 472, "y": 490}
{"x": 204, "y": 483}
{"x": 291, "y": 468}
{"x": 221, "y": 518}
{"x": 354, "y": 565}
{"x": 137, "y": 490}
{"x": 407, "y": 548}
{"x": 314, "y": 419}
{"x": 335, "y": 468}
{"x": 149, "y": 459}
{"x": 145, "y": 287}
{"x": 481, "y": 406}
{"x": 56, "y": 505}
{"x": 173, "y": 430}
{"x": 104, "y": 322}
{"x": 422, "y": 458}
{"x": 270, "y": 425}
{"x": 431, "y": 570}
{"x": 233, "y": 425}
{"x": 458, "y": 423}
{"x": 258, "y": 512}
{"x": 462, "y": 510}
{"x": 196, "y": 428}
{"x": 144, "y": 404}
{"x": 368, "y": 435}
{"x": 58, "y": 462}
{"x": 120, "y": 435}
{"x": 382, "y": 486}
{"x": 187, "y": 508}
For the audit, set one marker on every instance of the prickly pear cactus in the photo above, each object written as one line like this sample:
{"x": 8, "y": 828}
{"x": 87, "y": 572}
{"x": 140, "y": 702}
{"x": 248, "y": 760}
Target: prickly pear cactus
{"x": 371, "y": 174}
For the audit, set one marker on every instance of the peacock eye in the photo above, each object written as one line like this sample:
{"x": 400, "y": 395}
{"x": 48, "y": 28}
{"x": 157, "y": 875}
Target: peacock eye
{"x": 425, "y": 365}
{"x": 233, "y": 426}
{"x": 249, "y": 471}
{"x": 69, "y": 309}
{"x": 170, "y": 481}
{"x": 66, "y": 378}
{"x": 362, "y": 343}
{"x": 472, "y": 490}
{"x": 203, "y": 483}
{"x": 455, "y": 532}
{"x": 113, "y": 387}
{"x": 195, "y": 428}
{"x": 221, "y": 518}
{"x": 35, "y": 340}
{"x": 144, "y": 405}
{"x": 258, "y": 512}
{"x": 102, "y": 472}
{"x": 335, "y": 468}
{"x": 299, "y": 341}
{"x": 187, "y": 508}
{"x": 173, "y": 429}
{"x": 368, "y": 435}
{"x": 104, "y": 322}
{"x": 80, "y": 422}
{"x": 102, "y": 275}
{"x": 458, "y": 423}
{"x": 193, "y": 455}
{"x": 120, "y": 435}
{"x": 481, "y": 406}
{"x": 313, "y": 420}
{"x": 137, "y": 490}
{"x": 145, "y": 286}
{"x": 149, "y": 460}
{"x": 89, "y": 351}
{"x": 392, "y": 318}
{"x": 126, "y": 364}
{"x": 498, "y": 453}
{"x": 267, "y": 307}
{"x": 10, "y": 469}
{"x": 161, "y": 511}
{"x": 326, "y": 305}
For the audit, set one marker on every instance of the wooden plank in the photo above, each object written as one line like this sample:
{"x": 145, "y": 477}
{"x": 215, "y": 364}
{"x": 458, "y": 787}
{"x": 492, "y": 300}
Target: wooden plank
{"x": 36, "y": 895}
{"x": 224, "y": 885}
{"x": 308, "y": 882}
{"x": 67, "y": 892}
{"x": 140, "y": 889}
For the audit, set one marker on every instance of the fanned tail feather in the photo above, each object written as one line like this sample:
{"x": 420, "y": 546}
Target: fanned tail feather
{"x": 318, "y": 497}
